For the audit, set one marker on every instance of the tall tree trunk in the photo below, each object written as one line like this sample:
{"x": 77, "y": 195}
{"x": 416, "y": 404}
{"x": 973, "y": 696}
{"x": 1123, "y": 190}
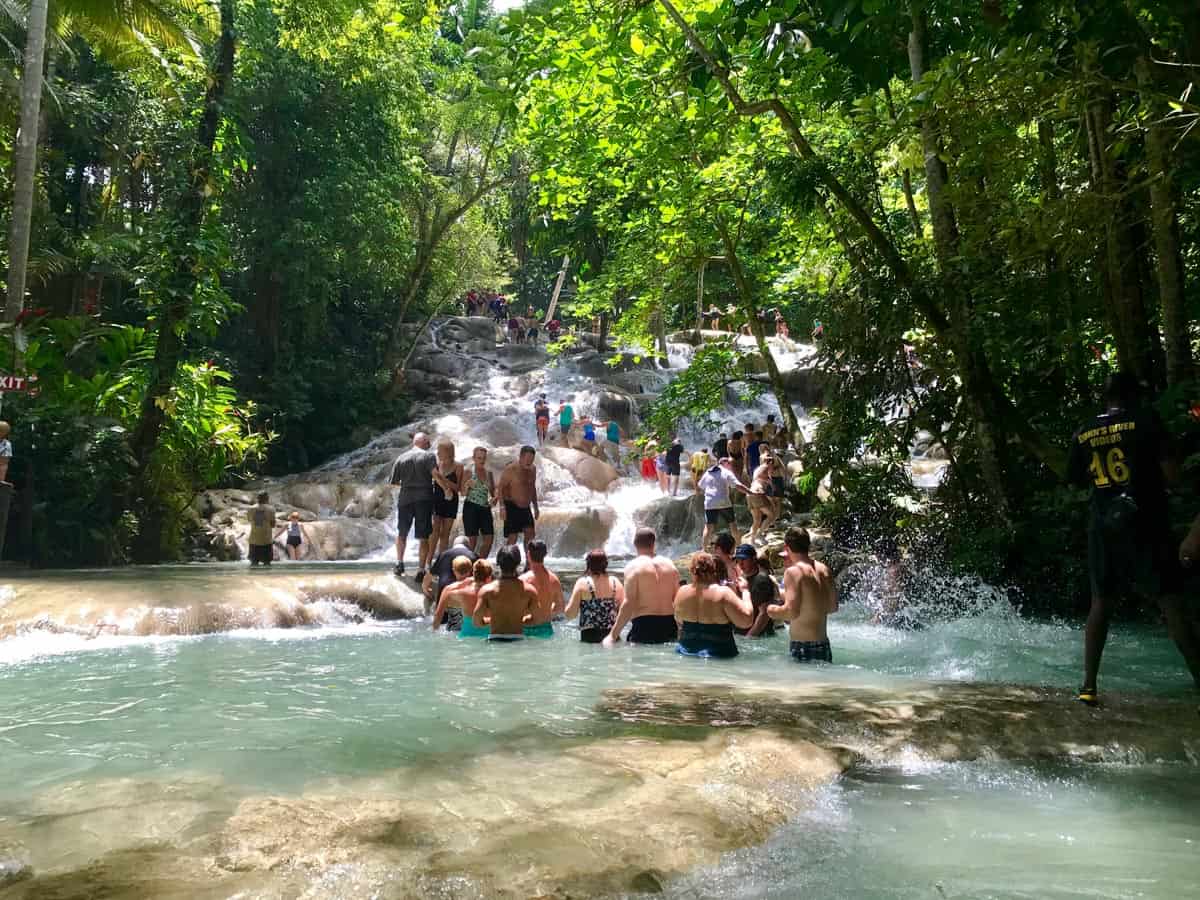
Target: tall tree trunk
{"x": 26, "y": 159}
{"x": 1164, "y": 223}
{"x": 558, "y": 286}
{"x": 750, "y": 307}
{"x": 176, "y": 306}
{"x": 1138, "y": 348}
{"x": 660, "y": 331}
{"x": 979, "y": 388}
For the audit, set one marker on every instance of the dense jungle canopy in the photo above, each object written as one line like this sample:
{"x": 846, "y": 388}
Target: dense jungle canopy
{"x": 240, "y": 214}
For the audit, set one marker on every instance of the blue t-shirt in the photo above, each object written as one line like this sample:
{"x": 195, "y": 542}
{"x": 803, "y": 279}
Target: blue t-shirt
{"x": 753, "y": 452}
{"x": 614, "y": 432}
{"x": 589, "y": 432}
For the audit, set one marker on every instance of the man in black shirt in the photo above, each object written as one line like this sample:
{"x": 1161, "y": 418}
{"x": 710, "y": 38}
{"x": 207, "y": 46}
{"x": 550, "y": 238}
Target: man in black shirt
{"x": 720, "y": 449}
{"x": 1122, "y": 455}
{"x": 759, "y": 587}
{"x": 441, "y": 572}
{"x": 674, "y": 456}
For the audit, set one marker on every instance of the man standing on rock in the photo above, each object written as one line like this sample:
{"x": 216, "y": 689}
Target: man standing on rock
{"x": 809, "y": 596}
{"x": 650, "y": 585}
{"x": 716, "y": 484}
{"x": 413, "y": 476}
{"x": 262, "y": 527}
{"x": 517, "y": 491}
{"x": 549, "y": 591}
{"x": 674, "y": 466}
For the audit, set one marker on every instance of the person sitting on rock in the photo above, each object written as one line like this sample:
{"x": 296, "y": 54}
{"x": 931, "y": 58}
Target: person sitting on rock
{"x": 809, "y": 597}
{"x": 707, "y": 612}
{"x": 295, "y": 535}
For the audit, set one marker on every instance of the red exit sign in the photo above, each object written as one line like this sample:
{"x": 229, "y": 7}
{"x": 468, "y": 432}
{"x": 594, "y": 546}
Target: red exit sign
{"x": 18, "y": 383}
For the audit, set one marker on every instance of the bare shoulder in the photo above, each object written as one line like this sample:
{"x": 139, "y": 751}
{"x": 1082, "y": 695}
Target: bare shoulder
{"x": 488, "y": 589}
{"x": 528, "y": 577}
{"x": 823, "y": 571}
{"x": 531, "y": 589}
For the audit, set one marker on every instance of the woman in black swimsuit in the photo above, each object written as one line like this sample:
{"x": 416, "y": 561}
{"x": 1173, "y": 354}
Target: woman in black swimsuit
{"x": 595, "y": 599}
{"x": 448, "y": 479}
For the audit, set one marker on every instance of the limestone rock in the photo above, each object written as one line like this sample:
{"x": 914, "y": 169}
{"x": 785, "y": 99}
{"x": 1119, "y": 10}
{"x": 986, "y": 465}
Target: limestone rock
{"x": 676, "y": 520}
{"x": 594, "y": 474}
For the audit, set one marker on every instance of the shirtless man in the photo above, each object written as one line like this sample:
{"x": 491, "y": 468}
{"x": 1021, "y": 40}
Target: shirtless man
{"x": 650, "y": 585}
{"x": 549, "y": 592}
{"x": 517, "y": 492}
{"x": 809, "y": 596}
{"x": 506, "y": 604}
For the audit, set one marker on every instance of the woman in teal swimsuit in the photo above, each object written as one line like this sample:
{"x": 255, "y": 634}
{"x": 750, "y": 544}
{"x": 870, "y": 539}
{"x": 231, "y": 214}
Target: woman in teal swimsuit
{"x": 464, "y": 595}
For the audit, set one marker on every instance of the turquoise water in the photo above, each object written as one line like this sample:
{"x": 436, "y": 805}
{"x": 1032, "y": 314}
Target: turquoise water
{"x": 276, "y": 711}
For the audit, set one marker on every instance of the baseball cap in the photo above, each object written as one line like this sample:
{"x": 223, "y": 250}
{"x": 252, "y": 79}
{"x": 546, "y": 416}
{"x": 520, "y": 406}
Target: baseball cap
{"x": 745, "y": 551}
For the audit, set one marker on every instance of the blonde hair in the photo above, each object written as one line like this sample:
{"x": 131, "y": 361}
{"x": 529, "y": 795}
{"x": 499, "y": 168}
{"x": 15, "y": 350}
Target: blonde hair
{"x": 461, "y": 566}
{"x": 446, "y": 445}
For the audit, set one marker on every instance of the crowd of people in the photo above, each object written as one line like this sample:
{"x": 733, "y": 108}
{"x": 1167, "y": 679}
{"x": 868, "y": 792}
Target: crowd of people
{"x": 517, "y": 328}
{"x": 730, "y": 592}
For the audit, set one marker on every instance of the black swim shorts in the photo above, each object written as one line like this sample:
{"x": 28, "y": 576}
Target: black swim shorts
{"x": 653, "y": 630}
{"x": 477, "y": 520}
{"x": 724, "y": 515}
{"x": 418, "y": 516}
{"x": 673, "y": 469}
{"x": 294, "y": 540}
{"x": 516, "y": 518}
{"x": 261, "y": 554}
{"x": 812, "y": 651}
{"x": 447, "y": 508}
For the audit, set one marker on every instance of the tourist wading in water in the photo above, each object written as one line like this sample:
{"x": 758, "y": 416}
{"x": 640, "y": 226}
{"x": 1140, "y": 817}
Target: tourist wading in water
{"x": 518, "y": 492}
{"x": 650, "y": 585}
{"x": 595, "y": 599}
{"x": 549, "y": 592}
{"x": 809, "y": 596}
{"x": 262, "y": 523}
{"x": 412, "y": 475}
{"x": 506, "y": 605}
{"x": 759, "y": 588}
{"x": 707, "y": 612}
{"x": 441, "y": 571}
{"x": 451, "y": 608}
{"x": 1123, "y": 455}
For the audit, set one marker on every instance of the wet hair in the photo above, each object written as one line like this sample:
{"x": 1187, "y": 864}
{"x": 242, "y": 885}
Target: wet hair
{"x": 750, "y": 426}
{"x": 797, "y": 540}
{"x": 724, "y": 540}
{"x": 446, "y": 445}
{"x": 705, "y": 569}
{"x": 461, "y": 566}
{"x": 771, "y": 418}
{"x": 483, "y": 570}
{"x": 536, "y": 551}
{"x": 509, "y": 560}
{"x": 596, "y": 562}
{"x": 737, "y": 436}
{"x": 645, "y": 539}
{"x": 528, "y": 449}
{"x": 264, "y": 497}
{"x": 764, "y": 562}
{"x": 1122, "y": 388}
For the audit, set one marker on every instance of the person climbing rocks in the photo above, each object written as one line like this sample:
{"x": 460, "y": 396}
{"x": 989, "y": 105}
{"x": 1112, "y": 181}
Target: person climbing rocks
{"x": 707, "y": 612}
{"x": 651, "y": 582}
{"x": 698, "y": 464}
{"x": 441, "y": 571}
{"x": 549, "y": 593}
{"x": 479, "y": 496}
{"x": 448, "y": 478}
{"x": 809, "y": 598}
{"x": 412, "y": 476}
{"x": 716, "y": 485}
{"x": 566, "y": 417}
{"x": 1122, "y": 455}
{"x": 262, "y": 525}
{"x": 589, "y": 436}
{"x": 674, "y": 460}
{"x": 541, "y": 415}
{"x": 612, "y": 434}
{"x": 650, "y": 464}
{"x": 517, "y": 490}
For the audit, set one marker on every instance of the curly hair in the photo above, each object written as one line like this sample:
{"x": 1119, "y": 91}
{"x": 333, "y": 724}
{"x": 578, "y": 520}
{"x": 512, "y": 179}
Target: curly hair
{"x": 705, "y": 569}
